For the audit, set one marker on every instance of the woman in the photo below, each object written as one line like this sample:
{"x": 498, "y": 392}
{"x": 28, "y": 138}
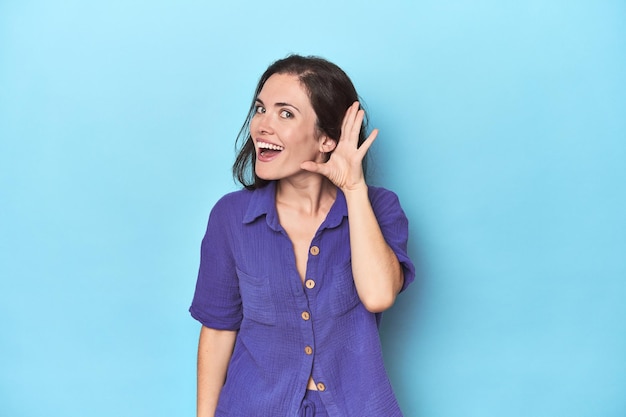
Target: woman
{"x": 297, "y": 267}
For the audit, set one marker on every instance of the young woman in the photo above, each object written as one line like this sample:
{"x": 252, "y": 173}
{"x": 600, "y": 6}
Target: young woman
{"x": 297, "y": 267}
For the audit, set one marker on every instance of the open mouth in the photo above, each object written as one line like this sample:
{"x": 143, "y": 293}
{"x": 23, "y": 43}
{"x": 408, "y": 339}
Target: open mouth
{"x": 267, "y": 151}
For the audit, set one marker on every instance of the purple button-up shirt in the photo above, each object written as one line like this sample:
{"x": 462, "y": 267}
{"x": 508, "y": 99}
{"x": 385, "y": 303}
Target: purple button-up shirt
{"x": 288, "y": 331}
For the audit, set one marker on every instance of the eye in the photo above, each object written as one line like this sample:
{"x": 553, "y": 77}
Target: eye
{"x": 286, "y": 114}
{"x": 259, "y": 109}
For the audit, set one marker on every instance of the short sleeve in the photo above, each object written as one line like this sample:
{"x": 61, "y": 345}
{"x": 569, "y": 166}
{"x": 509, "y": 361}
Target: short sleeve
{"x": 395, "y": 228}
{"x": 216, "y": 301}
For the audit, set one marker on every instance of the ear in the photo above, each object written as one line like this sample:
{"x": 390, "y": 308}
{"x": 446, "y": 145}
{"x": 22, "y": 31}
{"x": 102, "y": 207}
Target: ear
{"x": 327, "y": 144}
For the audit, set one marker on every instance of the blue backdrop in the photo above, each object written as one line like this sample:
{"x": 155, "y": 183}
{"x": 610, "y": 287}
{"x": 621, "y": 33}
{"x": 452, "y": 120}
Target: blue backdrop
{"x": 503, "y": 131}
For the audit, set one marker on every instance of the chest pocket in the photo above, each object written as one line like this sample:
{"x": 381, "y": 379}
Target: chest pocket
{"x": 256, "y": 298}
{"x": 343, "y": 296}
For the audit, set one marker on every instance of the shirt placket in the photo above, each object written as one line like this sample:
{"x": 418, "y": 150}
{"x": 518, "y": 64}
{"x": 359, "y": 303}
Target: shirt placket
{"x": 312, "y": 285}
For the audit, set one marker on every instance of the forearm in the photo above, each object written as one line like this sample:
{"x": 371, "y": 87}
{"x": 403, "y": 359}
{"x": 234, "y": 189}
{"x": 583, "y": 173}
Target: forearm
{"x": 214, "y": 351}
{"x": 378, "y": 275}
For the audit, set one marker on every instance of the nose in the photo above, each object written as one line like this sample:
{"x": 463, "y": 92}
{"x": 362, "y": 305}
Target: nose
{"x": 261, "y": 123}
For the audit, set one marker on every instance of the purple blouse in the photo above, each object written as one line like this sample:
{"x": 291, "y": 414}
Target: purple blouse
{"x": 248, "y": 282}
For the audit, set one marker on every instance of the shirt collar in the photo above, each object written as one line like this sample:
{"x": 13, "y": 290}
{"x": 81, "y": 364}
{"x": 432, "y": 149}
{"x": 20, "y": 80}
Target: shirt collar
{"x": 263, "y": 201}
{"x": 337, "y": 212}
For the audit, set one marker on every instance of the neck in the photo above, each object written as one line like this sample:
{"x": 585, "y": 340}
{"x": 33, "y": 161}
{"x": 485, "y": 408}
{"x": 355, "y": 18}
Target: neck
{"x": 309, "y": 196}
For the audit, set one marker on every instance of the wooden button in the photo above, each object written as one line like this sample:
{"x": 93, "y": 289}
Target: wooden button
{"x": 321, "y": 386}
{"x": 315, "y": 250}
{"x": 308, "y": 350}
{"x": 305, "y": 315}
{"x": 309, "y": 283}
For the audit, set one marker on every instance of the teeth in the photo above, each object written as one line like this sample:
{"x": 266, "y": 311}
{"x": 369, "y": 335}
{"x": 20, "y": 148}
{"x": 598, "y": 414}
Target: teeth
{"x": 271, "y": 146}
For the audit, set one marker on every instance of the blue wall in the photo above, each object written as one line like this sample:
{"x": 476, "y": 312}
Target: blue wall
{"x": 503, "y": 130}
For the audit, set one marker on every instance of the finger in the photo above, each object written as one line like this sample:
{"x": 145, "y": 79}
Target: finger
{"x": 368, "y": 142}
{"x": 313, "y": 167}
{"x": 352, "y": 122}
{"x": 356, "y": 121}
{"x": 349, "y": 115}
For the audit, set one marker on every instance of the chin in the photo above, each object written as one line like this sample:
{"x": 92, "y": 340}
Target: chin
{"x": 272, "y": 174}
{"x": 266, "y": 175}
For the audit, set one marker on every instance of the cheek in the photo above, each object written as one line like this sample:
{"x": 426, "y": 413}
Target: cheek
{"x": 253, "y": 124}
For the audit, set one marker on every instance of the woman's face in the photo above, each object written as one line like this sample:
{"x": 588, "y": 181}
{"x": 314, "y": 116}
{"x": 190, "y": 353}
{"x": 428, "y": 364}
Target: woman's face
{"x": 283, "y": 129}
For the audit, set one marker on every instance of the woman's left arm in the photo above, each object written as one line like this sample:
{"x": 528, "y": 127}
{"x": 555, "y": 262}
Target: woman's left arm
{"x": 378, "y": 276}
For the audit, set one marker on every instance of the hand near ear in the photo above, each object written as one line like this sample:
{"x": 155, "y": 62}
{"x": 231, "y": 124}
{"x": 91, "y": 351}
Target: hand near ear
{"x": 344, "y": 168}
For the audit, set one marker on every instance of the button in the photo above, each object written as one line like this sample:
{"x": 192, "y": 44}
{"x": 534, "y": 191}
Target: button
{"x": 309, "y": 283}
{"x": 321, "y": 386}
{"x": 315, "y": 250}
{"x": 308, "y": 350}
{"x": 305, "y": 315}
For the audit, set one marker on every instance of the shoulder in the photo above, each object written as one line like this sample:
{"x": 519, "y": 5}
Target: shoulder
{"x": 385, "y": 203}
{"x": 379, "y": 191}
{"x": 234, "y": 198}
{"x": 232, "y": 204}
{"x": 380, "y": 195}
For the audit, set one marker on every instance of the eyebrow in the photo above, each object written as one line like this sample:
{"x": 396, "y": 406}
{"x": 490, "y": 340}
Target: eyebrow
{"x": 279, "y": 104}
